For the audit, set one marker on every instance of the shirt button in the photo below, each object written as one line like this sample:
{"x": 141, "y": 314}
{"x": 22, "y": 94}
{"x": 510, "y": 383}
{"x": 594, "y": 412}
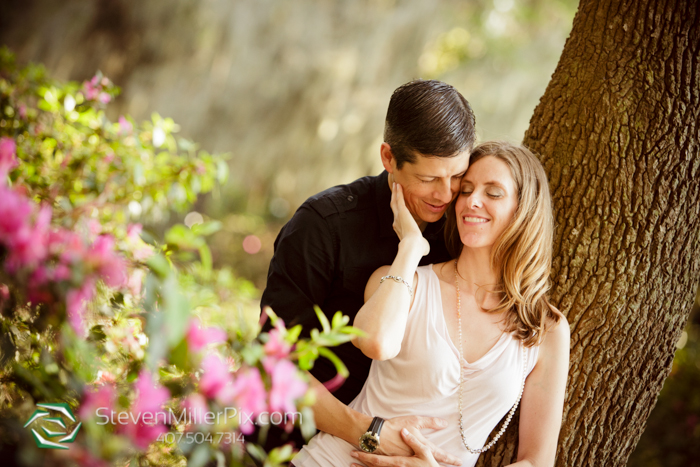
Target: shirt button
{"x": 351, "y": 197}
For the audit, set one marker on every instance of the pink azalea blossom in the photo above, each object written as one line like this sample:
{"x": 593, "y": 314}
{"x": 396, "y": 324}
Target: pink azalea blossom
{"x": 216, "y": 381}
{"x": 95, "y": 398}
{"x": 196, "y": 407}
{"x": 8, "y": 157}
{"x": 276, "y": 346}
{"x": 249, "y": 395}
{"x": 15, "y": 211}
{"x": 287, "y": 386}
{"x": 142, "y": 434}
{"x": 140, "y": 250}
{"x": 110, "y": 266}
{"x": 135, "y": 282}
{"x": 75, "y": 306}
{"x": 150, "y": 398}
{"x": 28, "y": 245}
{"x": 105, "y": 377}
{"x": 150, "y": 394}
{"x": 198, "y": 337}
{"x": 90, "y": 89}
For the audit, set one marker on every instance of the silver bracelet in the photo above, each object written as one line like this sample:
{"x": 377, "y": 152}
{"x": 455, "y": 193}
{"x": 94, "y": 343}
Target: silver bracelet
{"x": 399, "y": 279}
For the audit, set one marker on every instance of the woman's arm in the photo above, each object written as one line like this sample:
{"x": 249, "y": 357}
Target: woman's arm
{"x": 543, "y": 401}
{"x": 385, "y": 312}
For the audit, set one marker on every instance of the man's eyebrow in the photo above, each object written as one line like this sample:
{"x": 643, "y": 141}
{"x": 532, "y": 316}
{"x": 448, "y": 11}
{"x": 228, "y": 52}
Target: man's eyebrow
{"x": 460, "y": 174}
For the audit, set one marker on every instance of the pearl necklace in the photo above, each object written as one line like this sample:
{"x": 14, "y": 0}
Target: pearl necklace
{"x": 461, "y": 382}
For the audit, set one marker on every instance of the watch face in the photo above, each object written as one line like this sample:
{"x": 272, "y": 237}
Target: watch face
{"x": 369, "y": 442}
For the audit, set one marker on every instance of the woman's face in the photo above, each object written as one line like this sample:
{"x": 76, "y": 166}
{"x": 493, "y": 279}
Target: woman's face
{"x": 487, "y": 202}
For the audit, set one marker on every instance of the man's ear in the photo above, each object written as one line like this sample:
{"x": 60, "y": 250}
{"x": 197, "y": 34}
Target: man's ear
{"x": 388, "y": 159}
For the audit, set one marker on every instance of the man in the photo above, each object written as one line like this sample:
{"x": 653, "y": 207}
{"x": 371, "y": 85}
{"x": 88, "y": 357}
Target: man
{"x": 326, "y": 253}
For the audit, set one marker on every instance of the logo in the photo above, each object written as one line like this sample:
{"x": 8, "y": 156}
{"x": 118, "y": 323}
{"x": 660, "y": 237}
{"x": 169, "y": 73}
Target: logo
{"x": 55, "y": 423}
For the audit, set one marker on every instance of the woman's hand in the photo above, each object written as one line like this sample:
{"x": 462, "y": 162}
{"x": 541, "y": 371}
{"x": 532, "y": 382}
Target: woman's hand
{"x": 393, "y": 444}
{"x": 423, "y": 457}
{"x": 404, "y": 224}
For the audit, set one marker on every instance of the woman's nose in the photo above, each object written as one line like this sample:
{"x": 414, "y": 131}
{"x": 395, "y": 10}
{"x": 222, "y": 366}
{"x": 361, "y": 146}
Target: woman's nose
{"x": 475, "y": 201}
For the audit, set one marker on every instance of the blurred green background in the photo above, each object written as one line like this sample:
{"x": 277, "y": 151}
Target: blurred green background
{"x": 296, "y": 93}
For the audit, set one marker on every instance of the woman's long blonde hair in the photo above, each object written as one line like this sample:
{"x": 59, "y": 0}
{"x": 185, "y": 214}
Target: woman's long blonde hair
{"x": 523, "y": 252}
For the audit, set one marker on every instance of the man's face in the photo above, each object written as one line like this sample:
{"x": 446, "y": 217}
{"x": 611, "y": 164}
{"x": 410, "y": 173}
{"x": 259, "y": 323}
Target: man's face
{"x": 429, "y": 184}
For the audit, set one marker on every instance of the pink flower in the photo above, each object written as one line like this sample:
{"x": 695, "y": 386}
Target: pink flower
{"x": 125, "y": 126}
{"x": 249, "y": 395}
{"x": 287, "y": 386}
{"x": 150, "y": 395}
{"x": 216, "y": 380}
{"x": 135, "y": 282}
{"x": 198, "y": 337}
{"x": 140, "y": 250}
{"x": 276, "y": 346}
{"x": 109, "y": 265}
{"x": 28, "y": 244}
{"x": 8, "y": 157}
{"x": 75, "y": 306}
{"x": 197, "y": 406}
{"x": 90, "y": 90}
{"x": 94, "y": 398}
{"x": 142, "y": 434}
{"x": 15, "y": 211}
{"x": 104, "y": 98}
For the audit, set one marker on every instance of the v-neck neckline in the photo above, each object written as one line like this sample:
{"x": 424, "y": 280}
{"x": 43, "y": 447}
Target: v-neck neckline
{"x": 483, "y": 361}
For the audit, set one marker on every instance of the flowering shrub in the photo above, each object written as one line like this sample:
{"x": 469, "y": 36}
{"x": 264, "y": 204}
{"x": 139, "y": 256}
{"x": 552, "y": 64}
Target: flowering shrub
{"x": 144, "y": 339}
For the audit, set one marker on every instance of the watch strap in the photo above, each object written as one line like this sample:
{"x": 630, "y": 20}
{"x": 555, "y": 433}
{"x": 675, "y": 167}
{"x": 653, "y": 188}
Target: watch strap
{"x": 376, "y": 425}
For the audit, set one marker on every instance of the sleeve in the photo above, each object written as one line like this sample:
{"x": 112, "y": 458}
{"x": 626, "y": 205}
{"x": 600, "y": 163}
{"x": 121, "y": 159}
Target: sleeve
{"x": 301, "y": 270}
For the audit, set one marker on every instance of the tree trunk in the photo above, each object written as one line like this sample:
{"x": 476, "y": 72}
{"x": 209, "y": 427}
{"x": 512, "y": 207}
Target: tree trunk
{"x": 618, "y": 130}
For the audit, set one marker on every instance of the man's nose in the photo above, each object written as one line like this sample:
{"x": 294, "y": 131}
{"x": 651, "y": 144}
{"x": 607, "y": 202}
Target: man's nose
{"x": 444, "y": 191}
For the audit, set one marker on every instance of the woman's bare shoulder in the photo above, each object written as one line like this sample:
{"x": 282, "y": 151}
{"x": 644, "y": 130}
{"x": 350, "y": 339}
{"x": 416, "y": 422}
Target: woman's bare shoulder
{"x": 444, "y": 271}
{"x": 559, "y": 334}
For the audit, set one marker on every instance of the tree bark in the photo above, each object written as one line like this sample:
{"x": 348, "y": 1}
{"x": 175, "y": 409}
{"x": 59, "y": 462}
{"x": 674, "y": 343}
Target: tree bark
{"x": 618, "y": 131}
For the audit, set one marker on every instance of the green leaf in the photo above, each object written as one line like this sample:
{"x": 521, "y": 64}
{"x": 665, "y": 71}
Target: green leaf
{"x": 207, "y": 228}
{"x": 280, "y": 455}
{"x": 293, "y": 334}
{"x": 256, "y": 452}
{"x": 322, "y": 318}
{"x": 159, "y": 265}
{"x": 177, "y": 312}
{"x": 200, "y": 456}
{"x": 340, "y": 320}
{"x": 178, "y": 356}
{"x": 339, "y": 365}
{"x": 308, "y": 423}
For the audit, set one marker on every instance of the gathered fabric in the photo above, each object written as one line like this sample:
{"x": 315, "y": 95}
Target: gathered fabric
{"x": 423, "y": 379}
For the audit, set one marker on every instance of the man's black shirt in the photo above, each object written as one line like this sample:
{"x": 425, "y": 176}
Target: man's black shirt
{"x": 326, "y": 253}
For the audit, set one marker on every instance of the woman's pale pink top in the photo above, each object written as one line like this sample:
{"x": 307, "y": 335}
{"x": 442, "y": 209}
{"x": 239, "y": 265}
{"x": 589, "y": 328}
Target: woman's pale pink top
{"x": 423, "y": 379}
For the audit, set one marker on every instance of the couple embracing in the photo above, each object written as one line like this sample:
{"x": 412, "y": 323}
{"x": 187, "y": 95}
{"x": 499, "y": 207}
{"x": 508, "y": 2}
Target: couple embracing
{"x": 443, "y": 260}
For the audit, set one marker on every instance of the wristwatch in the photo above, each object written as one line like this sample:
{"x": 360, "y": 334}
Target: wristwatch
{"x": 369, "y": 442}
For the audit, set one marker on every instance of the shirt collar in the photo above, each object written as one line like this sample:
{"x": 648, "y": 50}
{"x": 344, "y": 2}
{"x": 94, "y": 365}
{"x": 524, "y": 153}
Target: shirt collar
{"x": 386, "y": 217}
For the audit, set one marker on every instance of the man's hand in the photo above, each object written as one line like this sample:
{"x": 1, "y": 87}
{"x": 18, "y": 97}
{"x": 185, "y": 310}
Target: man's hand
{"x": 392, "y": 442}
{"x": 423, "y": 456}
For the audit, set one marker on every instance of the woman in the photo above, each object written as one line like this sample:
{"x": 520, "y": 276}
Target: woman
{"x": 486, "y": 310}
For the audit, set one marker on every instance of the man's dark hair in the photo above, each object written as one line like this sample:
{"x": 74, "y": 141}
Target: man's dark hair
{"x": 430, "y": 118}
